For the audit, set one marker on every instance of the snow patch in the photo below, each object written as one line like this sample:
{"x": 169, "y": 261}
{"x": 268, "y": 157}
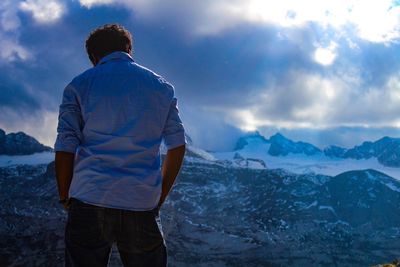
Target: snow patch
{"x": 303, "y": 164}
{"x": 34, "y": 159}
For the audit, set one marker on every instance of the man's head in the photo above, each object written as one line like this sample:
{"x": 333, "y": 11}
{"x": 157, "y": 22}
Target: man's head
{"x": 107, "y": 39}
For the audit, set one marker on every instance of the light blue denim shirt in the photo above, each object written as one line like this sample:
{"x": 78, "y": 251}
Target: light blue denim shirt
{"x": 114, "y": 116}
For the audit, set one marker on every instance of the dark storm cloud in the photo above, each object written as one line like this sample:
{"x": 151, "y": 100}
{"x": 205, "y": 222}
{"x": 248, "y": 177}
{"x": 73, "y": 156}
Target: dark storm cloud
{"x": 223, "y": 70}
{"x": 16, "y": 97}
{"x": 59, "y": 49}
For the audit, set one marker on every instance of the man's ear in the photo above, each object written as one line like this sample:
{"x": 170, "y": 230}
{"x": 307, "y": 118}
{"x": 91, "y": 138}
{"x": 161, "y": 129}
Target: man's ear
{"x": 94, "y": 59}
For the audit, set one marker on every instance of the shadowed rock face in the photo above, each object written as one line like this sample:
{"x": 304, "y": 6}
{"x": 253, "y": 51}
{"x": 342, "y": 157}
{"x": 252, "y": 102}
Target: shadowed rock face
{"x": 281, "y": 146}
{"x": 217, "y": 215}
{"x": 386, "y": 150}
{"x": 20, "y": 144}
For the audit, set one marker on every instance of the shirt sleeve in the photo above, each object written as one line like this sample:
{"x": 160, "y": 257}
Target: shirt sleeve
{"x": 70, "y": 122}
{"x": 174, "y": 132}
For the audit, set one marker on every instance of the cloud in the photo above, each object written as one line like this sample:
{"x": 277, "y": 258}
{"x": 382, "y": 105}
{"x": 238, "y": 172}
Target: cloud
{"x": 212, "y": 17}
{"x": 325, "y": 55}
{"x": 15, "y": 96}
{"x": 374, "y": 107}
{"x": 11, "y": 49}
{"x": 214, "y": 134}
{"x": 43, "y": 11}
{"x": 338, "y": 14}
{"x": 9, "y": 20}
{"x": 313, "y": 101}
{"x": 236, "y": 65}
{"x": 300, "y": 99}
{"x": 91, "y": 3}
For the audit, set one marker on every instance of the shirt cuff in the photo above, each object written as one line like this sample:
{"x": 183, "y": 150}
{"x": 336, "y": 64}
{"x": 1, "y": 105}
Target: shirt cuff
{"x": 71, "y": 148}
{"x": 174, "y": 140}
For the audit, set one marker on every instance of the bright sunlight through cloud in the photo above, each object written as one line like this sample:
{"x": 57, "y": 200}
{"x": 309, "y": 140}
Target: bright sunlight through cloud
{"x": 325, "y": 56}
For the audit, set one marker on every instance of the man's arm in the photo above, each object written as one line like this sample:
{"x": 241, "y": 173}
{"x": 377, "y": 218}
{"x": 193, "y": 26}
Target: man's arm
{"x": 64, "y": 164}
{"x": 174, "y": 139}
{"x": 170, "y": 169}
{"x": 70, "y": 124}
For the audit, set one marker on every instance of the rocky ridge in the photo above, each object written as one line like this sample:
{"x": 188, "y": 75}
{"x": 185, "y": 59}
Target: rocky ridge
{"x": 386, "y": 149}
{"x": 20, "y": 144}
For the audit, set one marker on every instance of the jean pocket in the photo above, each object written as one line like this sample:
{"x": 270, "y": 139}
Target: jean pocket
{"x": 85, "y": 224}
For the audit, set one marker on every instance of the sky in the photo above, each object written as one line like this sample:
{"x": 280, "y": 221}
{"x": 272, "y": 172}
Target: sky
{"x": 325, "y": 72}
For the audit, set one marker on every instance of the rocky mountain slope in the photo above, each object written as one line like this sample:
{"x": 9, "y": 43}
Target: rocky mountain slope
{"x": 236, "y": 212}
{"x": 20, "y": 144}
{"x": 223, "y": 216}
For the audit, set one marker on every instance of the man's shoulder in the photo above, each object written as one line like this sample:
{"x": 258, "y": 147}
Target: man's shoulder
{"x": 82, "y": 78}
{"x": 153, "y": 77}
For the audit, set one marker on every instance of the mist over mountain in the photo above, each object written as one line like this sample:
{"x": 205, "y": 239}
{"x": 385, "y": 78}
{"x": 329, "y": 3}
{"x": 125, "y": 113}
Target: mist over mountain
{"x": 20, "y": 144}
{"x": 335, "y": 151}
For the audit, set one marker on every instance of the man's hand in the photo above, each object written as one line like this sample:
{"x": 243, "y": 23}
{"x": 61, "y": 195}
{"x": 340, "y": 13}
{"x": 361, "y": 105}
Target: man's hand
{"x": 170, "y": 169}
{"x": 66, "y": 203}
{"x": 66, "y": 206}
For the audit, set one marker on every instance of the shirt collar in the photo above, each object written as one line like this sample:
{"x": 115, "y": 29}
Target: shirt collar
{"x": 115, "y": 55}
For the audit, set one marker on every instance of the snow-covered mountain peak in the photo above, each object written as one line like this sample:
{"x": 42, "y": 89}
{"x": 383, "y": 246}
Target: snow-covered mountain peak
{"x": 250, "y": 138}
{"x": 278, "y": 137}
{"x": 276, "y": 145}
{"x": 282, "y": 146}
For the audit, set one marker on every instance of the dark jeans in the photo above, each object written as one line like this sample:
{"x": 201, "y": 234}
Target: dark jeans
{"x": 91, "y": 231}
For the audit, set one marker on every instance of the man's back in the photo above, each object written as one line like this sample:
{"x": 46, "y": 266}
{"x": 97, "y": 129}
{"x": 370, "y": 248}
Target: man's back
{"x": 112, "y": 120}
{"x": 125, "y": 112}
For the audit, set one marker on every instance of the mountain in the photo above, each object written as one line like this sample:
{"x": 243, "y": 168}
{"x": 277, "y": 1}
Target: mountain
{"x": 359, "y": 194}
{"x": 248, "y": 217}
{"x": 20, "y": 144}
{"x": 386, "y": 150}
{"x": 335, "y": 151}
{"x": 237, "y": 211}
{"x": 279, "y": 144}
{"x": 251, "y": 137}
{"x": 227, "y": 216}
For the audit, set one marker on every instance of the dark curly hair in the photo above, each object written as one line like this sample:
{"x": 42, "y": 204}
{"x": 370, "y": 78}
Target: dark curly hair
{"x": 107, "y": 39}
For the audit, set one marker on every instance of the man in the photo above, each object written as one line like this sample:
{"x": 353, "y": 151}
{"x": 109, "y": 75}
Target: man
{"x": 112, "y": 120}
